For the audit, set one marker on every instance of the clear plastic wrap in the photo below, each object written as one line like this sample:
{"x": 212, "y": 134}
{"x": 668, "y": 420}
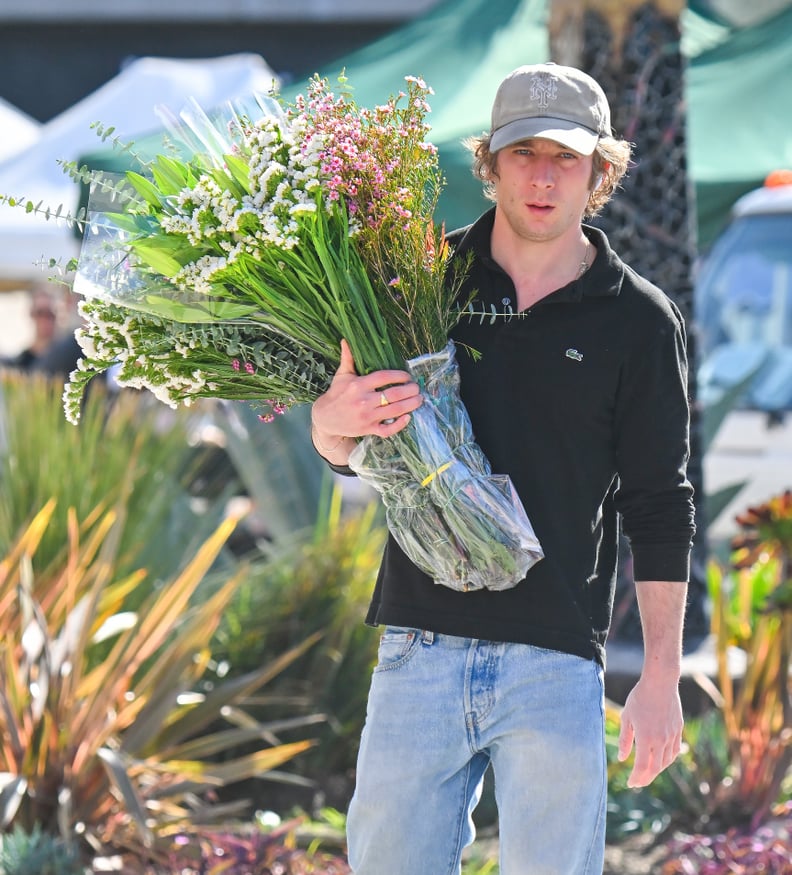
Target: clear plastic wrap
{"x": 456, "y": 520}
{"x": 111, "y": 270}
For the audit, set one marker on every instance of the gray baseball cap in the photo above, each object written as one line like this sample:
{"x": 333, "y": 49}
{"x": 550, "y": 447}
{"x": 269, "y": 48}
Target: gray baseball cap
{"x": 553, "y": 102}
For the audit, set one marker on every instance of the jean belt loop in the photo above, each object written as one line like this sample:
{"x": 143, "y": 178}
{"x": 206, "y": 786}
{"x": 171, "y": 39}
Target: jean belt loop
{"x": 427, "y": 637}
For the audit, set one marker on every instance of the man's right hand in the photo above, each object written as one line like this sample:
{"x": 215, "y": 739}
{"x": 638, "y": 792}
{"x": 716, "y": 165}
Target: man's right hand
{"x": 378, "y": 403}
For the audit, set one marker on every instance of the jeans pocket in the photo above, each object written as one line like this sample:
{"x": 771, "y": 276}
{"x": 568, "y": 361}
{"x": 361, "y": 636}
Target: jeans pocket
{"x": 396, "y": 647}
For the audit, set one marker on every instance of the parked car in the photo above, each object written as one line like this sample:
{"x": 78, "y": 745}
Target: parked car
{"x": 743, "y": 314}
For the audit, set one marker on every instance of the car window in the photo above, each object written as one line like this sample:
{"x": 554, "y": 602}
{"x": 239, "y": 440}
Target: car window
{"x": 743, "y": 304}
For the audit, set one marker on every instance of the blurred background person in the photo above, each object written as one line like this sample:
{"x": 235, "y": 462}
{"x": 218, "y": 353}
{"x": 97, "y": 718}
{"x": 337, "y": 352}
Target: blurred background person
{"x": 45, "y": 318}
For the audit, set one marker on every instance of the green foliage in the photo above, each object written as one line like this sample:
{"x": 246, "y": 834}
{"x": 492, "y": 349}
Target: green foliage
{"x": 275, "y": 464}
{"x": 120, "y": 751}
{"x": 37, "y": 853}
{"x": 713, "y": 415}
{"x": 318, "y": 581}
{"x": 719, "y": 407}
{"x": 716, "y": 502}
{"x": 734, "y": 768}
{"x": 124, "y": 447}
{"x": 752, "y": 610}
{"x": 479, "y": 863}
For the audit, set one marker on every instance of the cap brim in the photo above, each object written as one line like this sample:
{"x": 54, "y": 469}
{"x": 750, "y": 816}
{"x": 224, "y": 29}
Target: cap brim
{"x": 567, "y": 133}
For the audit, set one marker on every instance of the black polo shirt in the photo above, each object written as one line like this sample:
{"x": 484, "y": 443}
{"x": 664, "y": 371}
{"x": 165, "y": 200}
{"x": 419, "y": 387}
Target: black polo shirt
{"x": 582, "y": 400}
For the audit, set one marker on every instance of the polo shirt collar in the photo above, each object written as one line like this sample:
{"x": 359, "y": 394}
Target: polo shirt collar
{"x": 602, "y": 280}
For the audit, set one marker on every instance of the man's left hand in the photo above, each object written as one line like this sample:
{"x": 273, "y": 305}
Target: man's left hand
{"x": 652, "y": 720}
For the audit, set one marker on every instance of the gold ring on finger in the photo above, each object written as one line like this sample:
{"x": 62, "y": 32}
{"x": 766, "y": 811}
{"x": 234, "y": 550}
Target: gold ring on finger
{"x": 384, "y": 400}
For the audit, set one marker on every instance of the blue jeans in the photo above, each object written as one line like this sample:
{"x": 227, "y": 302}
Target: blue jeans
{"x": 442, "y": 708}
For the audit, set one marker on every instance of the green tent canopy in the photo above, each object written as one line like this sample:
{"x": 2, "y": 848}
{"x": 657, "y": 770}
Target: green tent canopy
{"x": 738, "y": 93}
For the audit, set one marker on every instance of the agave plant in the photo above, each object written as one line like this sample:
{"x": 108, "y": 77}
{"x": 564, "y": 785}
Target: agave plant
{"x": 119, "y": 753}
{"x": 275, "y": 463}
{"x": 37, "y": 853}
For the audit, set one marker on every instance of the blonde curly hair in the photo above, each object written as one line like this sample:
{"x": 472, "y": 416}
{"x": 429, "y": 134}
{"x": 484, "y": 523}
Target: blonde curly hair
{"x": 611, "y": 161}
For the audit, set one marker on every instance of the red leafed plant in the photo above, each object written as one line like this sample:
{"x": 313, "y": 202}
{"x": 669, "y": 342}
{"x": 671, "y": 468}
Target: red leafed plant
{"x": 767, "y": 851}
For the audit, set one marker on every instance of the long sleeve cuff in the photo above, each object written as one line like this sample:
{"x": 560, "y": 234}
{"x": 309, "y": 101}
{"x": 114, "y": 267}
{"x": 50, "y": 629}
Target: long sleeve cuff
{"x": 661, "y": 562}
{"x": 342, "y": 469}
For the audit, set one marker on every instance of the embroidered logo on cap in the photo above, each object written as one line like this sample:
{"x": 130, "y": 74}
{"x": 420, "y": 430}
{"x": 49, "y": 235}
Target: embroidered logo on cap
{"x": 543, "y": 89}
{"x": 574, "y": 355}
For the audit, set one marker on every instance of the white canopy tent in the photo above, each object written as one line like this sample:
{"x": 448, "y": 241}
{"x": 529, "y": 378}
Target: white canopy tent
{"x": 18, "y": 131}
{"x": 131, "y": 102}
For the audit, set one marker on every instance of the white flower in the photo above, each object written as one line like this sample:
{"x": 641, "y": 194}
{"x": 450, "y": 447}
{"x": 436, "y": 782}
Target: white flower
{"x": 304, "y": 207}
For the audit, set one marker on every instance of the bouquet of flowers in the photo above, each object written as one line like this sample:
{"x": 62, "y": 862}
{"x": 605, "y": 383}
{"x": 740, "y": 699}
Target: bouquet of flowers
{"x": 234, "y": 273}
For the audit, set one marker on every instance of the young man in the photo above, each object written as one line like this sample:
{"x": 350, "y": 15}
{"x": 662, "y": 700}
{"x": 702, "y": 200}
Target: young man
{"x": 580, "y": 395}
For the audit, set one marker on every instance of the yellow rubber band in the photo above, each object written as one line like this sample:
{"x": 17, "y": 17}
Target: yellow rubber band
{"x": 429, "y": 477}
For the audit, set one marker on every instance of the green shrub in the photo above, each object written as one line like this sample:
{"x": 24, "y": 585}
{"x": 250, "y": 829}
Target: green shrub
{"x": 317, "y": 582}
{"x": 118, "y": 750}
{"x": 735, "y": 764}
{"x": 752, "y": 610}
{"x": 37, "y": 853}
{"x": 126, "y": 448}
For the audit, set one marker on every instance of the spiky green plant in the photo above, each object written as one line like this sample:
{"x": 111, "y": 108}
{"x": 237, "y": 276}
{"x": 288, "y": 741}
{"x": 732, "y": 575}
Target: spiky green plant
{"x": 37, "y": 853}
{"x": 275, "y": 463}
{"x": 317, "y": 581}
{"x": 752, "y": 610}
{"x": 126, "y": 445}
{"x": 119, "y": 751}
{"x": 736, "y": 759}
{"x": 734, "y": 772}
